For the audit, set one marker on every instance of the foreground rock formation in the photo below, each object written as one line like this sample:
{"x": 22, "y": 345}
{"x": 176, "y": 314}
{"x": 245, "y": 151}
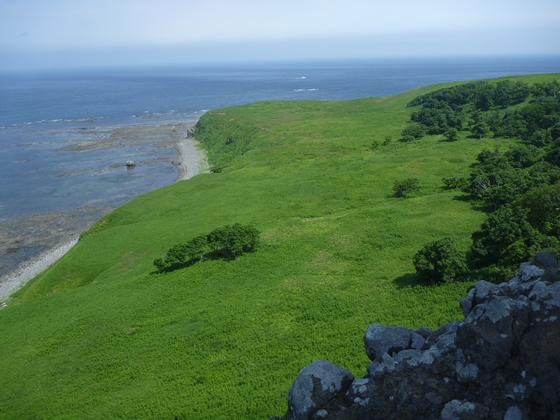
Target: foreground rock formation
{"x": 502, "y": 362}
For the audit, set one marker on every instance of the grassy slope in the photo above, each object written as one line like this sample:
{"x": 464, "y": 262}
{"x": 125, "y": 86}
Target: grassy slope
{"x": 224, "y": 339}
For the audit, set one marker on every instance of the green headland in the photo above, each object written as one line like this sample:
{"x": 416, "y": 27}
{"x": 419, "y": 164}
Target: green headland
{"x": 102, "y": 334}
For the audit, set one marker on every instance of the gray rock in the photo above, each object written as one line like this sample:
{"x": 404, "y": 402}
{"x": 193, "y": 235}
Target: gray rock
{"x": 528, "y": 271}
{"x": 417, "y": 341}
{"x": 539, "y": 291}
{"x": 523, "y": 288}
{"x": 359, "y": 387}
{"x": 546, "y": 260}
{"x": 412, "y": 357}
{"x": 379, "y": 340}
{"x": 381, "y": 365}
{"x": 486, "y": 335}
{"x": 446, "y": 341}
{"x": 466, "y": 305}
{"x": 513, "y": 413}
{"x": 455, "y": 409}
{"x": 554, "y": 292}
{"x": 321, "y": 414}
{"x": 484, "y": 290}
{"x": 424, "y": 332}
{"x": 467, "y": 373}
{"x": 434, "y": 337}
{"x": 463, "y": 410}
{"x": 315, "y": 387}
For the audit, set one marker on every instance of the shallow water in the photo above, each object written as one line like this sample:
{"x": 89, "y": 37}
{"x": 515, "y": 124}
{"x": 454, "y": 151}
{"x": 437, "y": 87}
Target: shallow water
{"x": 55, "y": 169}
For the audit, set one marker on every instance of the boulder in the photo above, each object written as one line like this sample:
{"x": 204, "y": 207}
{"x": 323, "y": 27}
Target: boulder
{"x": 464, "y": 410}
{"x": 315, "y": 388}
{"x": 379, "y": 340}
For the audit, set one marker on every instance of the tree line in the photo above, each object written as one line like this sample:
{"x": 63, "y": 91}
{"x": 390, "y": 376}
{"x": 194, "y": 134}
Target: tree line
{"x": 229, "y": 242}
{"x": 488, "y": 110}
{"x": 520, "y": 185}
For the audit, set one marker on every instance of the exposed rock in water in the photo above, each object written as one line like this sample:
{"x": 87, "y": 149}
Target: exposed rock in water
{"x": 501, "y": 363}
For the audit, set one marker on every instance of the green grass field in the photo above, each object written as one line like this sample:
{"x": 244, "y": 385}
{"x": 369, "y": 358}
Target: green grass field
{"x": 101, "y": 335}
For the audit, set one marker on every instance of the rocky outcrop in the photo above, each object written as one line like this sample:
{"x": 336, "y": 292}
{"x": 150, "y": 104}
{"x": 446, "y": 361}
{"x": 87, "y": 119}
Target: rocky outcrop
{"x": 502, "y": 362}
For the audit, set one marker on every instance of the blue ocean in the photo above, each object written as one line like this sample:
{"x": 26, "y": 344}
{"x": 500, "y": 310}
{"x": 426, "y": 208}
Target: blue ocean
{"x": 42, "y": 114}
{"x": 64, "y": 136}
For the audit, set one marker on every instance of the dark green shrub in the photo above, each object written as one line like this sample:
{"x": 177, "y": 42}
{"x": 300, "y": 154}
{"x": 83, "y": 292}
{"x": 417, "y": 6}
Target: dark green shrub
{"x": 160, "y": 264}
{"x": 454, "y": 183}
{"x": 481, "y": 129}
{"x": 415, "y": 130}
{"x": 196, "y": 247}
{"x": 452, "y": 134}
{"x": 439, "y": 261}
{"x": 406, "y": 187}
{"x": 232, "y": 241}
{"x": 228, "y": 241}
{"x": 504, "y": 235}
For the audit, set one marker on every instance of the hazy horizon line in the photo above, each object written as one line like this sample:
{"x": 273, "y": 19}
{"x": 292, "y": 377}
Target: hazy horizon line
{"x": 276, "y": 62}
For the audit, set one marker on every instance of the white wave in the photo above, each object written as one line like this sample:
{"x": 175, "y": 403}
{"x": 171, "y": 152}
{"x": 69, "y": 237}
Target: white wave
{"x": 33, "y": 122}
{"x": 56, "y": 120}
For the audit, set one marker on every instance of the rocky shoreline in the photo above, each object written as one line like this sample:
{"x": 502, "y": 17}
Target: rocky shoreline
{"x": 30, "y": 244}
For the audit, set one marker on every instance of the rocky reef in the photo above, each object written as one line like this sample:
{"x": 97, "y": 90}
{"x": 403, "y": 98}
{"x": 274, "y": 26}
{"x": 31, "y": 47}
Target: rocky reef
{"x": 502, "y": 362}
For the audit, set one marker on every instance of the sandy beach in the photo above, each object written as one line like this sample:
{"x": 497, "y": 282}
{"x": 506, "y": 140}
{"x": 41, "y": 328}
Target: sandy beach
{"x": 191, "y": 160}
{"x": 30, "y": 245}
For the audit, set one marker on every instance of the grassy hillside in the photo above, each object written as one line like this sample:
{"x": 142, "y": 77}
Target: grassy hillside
{"x": 101, "y": 335}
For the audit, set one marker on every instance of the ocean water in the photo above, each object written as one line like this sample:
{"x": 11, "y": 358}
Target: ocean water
{"x": 47, "y": 119}
{"x": 65, "y": 136}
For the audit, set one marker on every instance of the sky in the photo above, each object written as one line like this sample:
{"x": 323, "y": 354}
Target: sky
{"x": 37, "y": 34}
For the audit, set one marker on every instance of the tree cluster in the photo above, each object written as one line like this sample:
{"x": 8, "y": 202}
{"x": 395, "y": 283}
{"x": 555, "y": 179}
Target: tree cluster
{"x": 500, "y": 178}
{"x": 229, "y": 241}
{"x": 516, "y": 231}
{"x": 520, "y": 185}
{"x": 482, "y": 108}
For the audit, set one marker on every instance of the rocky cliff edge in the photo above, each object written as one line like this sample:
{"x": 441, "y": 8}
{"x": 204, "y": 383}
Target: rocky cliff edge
{"x": 502, "y": 362}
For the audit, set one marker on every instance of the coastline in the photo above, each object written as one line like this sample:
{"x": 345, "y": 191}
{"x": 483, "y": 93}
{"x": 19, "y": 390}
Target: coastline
{"x": 32, "y": 268}
{"x": 29, "y": 245}
{"x": 50, "y": 236}
{"x": 191, "y": 159}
